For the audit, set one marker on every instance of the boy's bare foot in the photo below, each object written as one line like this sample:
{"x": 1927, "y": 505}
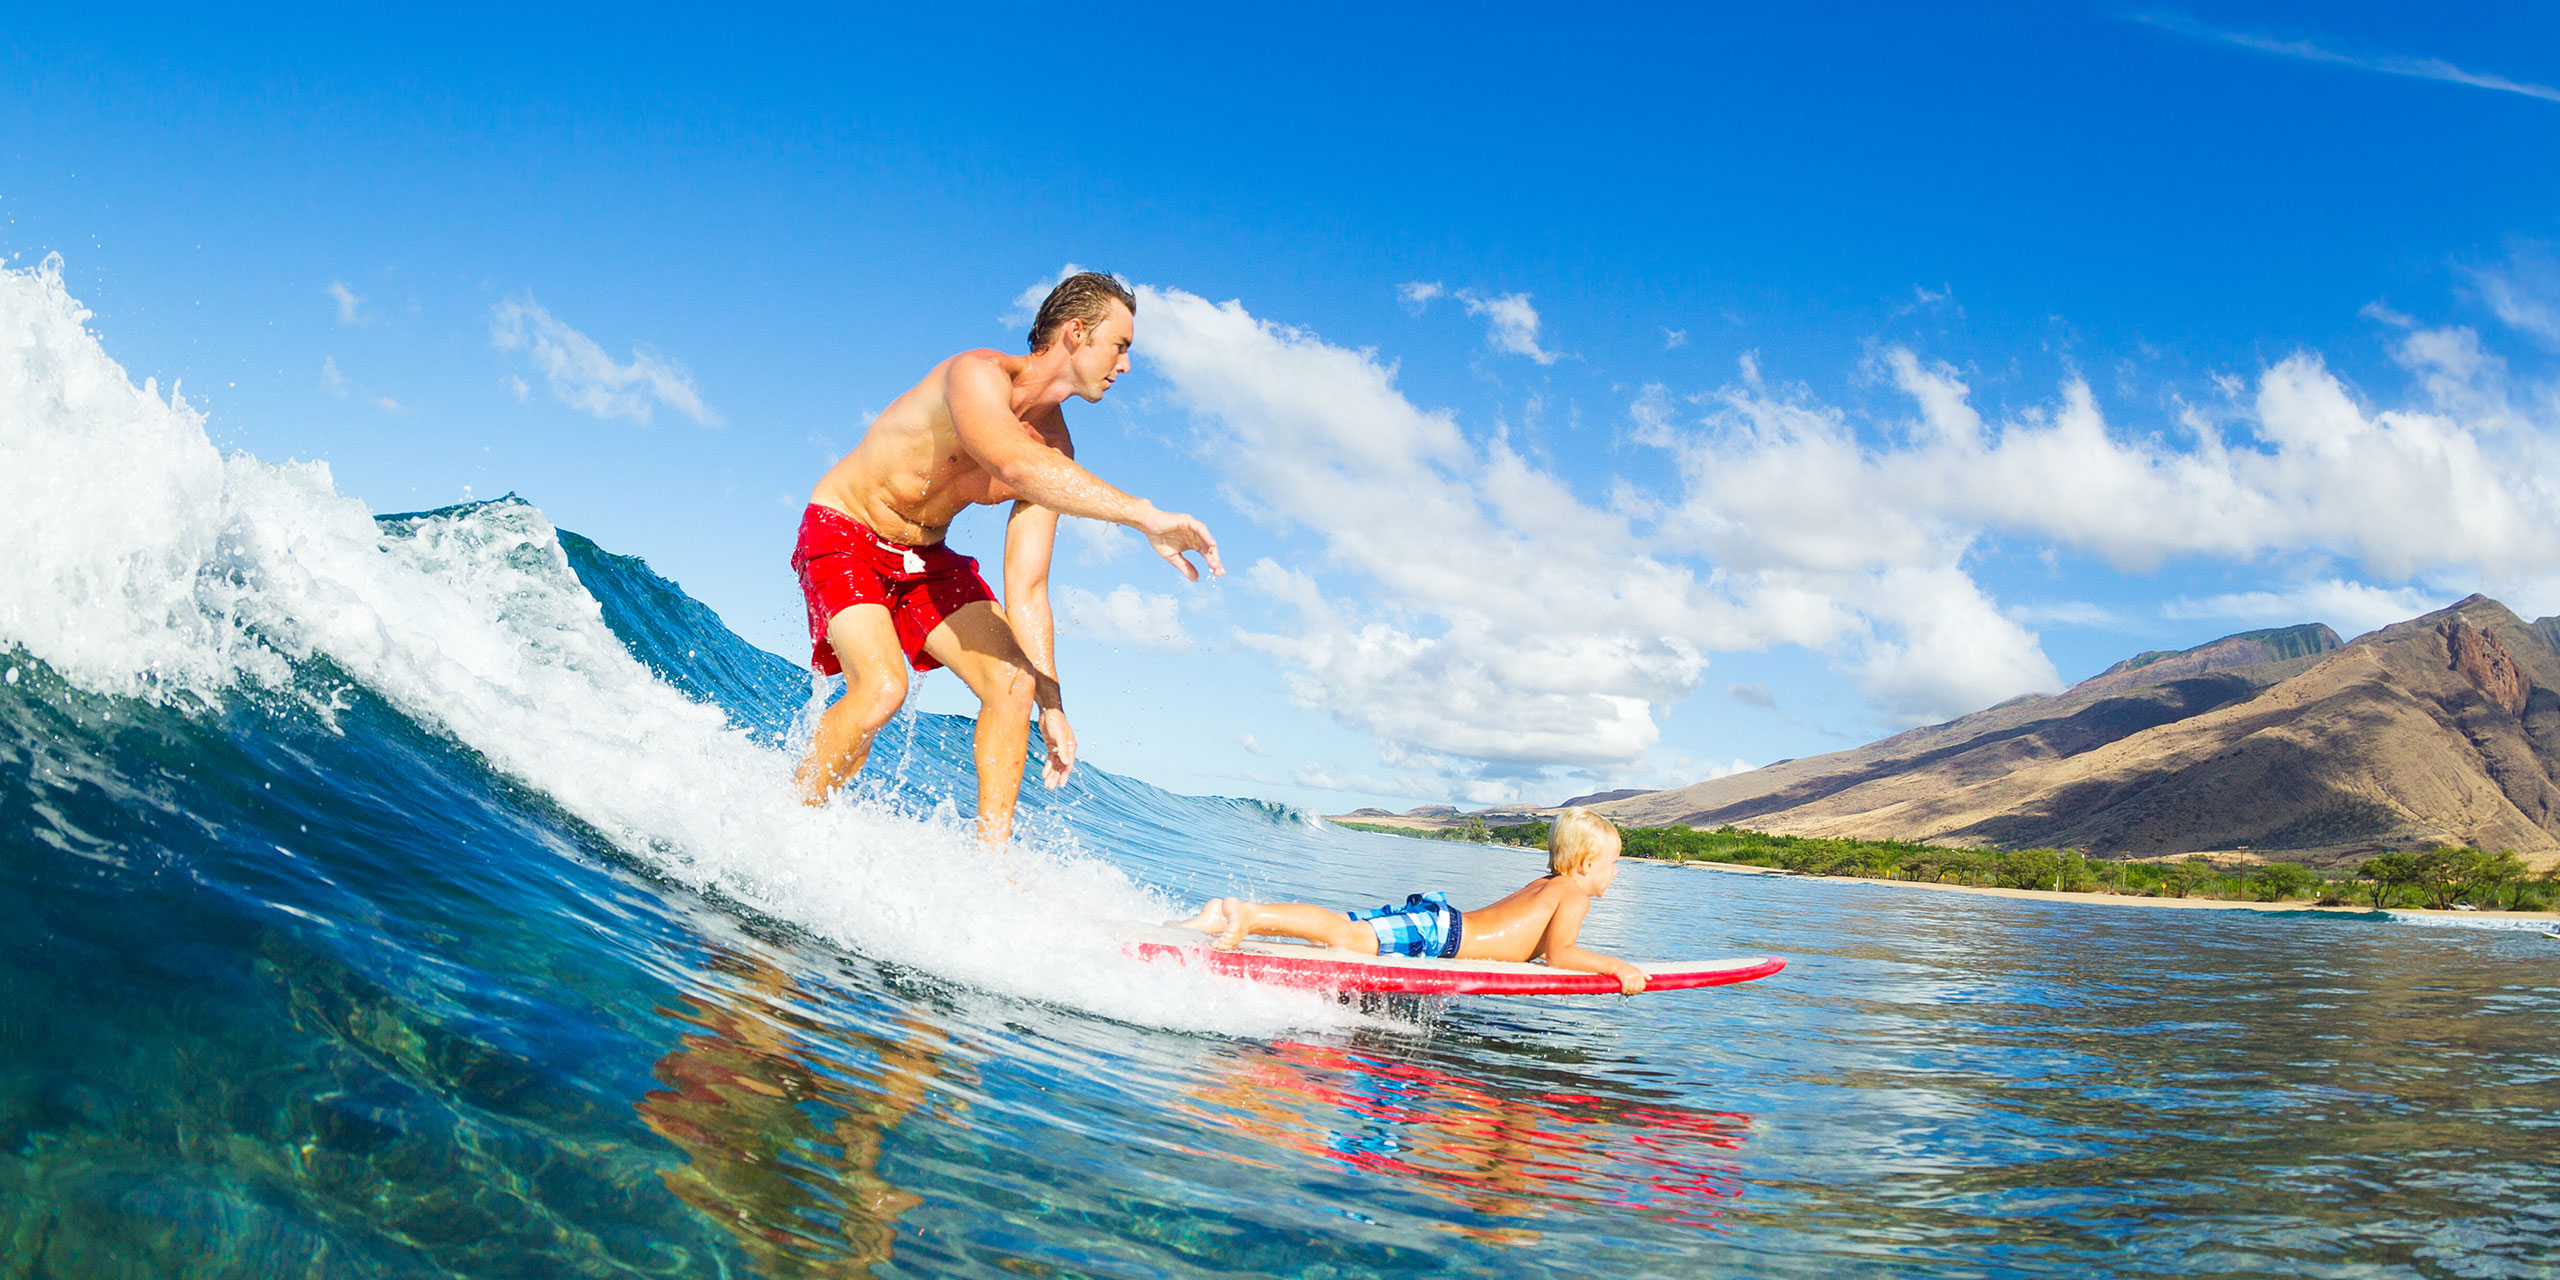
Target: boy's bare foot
{"x": 1224, "y": 917}
{"x": 1210, "y": 920}
{"x": 1236, "y": 911}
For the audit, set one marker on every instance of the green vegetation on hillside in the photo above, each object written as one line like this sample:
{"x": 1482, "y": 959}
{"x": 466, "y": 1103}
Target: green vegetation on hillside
{"x": 2437, "y": 878}
{"x": 2443, "y": 877}
{"x": 2300, "y": 641}
{"x": 1474, "y": 832}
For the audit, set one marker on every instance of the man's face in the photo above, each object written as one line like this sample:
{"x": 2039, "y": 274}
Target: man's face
{"x": 1102, "y": 355}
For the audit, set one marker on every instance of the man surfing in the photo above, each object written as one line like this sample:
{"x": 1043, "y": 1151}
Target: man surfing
{"x": 885, "y": 594}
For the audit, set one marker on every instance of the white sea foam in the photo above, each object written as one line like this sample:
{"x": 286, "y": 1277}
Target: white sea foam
{"x": 2433, "y": 920}
{"x": 146, "y": 563}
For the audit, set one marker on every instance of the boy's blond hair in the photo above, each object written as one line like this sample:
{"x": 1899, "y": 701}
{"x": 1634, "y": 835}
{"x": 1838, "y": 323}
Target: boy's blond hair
{"x": 1579, "y": 835}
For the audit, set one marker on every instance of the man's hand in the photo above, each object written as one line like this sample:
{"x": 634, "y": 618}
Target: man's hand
{"x": 1631, "y": 982}
{"x": 1061, "y": 741}
{"x": 1171, "y": 534}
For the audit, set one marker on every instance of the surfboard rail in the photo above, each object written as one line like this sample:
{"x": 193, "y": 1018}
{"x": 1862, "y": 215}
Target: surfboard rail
{"x": 1325, "y": 970}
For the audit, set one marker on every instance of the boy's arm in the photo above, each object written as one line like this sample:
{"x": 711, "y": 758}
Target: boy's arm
{"x": 1561, "y": 952}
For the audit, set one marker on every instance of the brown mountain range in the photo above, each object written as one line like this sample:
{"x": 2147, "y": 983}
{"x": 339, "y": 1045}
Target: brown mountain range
{"x": 2444, "y": 729}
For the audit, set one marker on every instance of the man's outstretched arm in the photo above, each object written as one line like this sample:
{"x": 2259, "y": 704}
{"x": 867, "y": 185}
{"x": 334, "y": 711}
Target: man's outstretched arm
{"x": 980, "y": 397}
{"x": 1030, "y": 539}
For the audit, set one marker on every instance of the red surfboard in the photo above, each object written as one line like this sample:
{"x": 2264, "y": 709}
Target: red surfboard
{"x": 1325, "y": 969}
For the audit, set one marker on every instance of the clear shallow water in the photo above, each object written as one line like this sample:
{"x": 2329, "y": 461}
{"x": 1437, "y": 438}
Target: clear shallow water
{"x": 420, "y": 898}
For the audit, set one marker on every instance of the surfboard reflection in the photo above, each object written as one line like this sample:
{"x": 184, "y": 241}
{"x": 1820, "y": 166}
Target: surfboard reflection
{"x": 782, "y": 1128}
{"x": 1501, "y": 1150}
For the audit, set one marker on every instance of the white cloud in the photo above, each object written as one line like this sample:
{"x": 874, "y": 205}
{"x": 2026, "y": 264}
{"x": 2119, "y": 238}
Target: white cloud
{"x": 1480, "y": 690}
{"x": 1777, "y": 479}
{"x": 1879, "y": 523}
{"x": 2313, "y": 51}
{"x": 2524, "y": 291}
{"x": 1478, "y": 618}
{"x": 583, "y": 377}
{"x": 1418, "y": 294}
{"x": 1098, "y": 542}
{"x": 1250, "y": 743}
{"x": 1126, "y": 616}
{"x": 1755, "y": 693}
{"x": 1923, "y": 300}
{"x": 2380, "y": 311}
{"x": 1325, "y": 777}
{"x": 1674, "y": 339}
{"x": 350, "y": 303}
{"x": 1026, "y": 304}
{"x": 2068, "y": 613}
{"x": 1508, "y": 622}
{"x": 2350, "y": 608}
{"x": 1511, "y": 323}
{"x": 340, "y": 385}
{"x": 1952, "y": 648}
{"x": 1490, "y": 791}
{"x": 1482, "y": 556}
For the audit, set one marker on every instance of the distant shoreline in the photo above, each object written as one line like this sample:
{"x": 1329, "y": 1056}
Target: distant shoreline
{"x": 1429, "y": 828}
{"x": 2111, "y": 899}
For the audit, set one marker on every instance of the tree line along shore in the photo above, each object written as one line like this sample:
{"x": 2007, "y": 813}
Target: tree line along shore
{"x": 2441, "y": 877}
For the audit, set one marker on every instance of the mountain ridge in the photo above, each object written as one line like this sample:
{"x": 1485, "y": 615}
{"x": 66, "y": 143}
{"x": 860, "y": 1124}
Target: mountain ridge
{"x": 2441, "y": 729}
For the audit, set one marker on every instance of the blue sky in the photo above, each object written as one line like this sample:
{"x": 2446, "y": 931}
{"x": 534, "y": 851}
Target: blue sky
{"x": 1602, "y": 401}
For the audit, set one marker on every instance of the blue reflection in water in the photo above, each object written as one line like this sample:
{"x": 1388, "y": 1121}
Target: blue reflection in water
{"x": 295, "y": 997}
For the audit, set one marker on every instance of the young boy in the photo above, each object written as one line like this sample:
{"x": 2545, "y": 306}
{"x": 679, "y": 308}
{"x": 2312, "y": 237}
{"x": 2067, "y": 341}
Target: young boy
{"x": 1539, "y": 922}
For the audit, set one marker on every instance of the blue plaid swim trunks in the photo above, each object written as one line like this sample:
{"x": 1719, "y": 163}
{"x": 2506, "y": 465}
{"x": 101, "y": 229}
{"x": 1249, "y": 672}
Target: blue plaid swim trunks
{"x": 1424, "y": 925}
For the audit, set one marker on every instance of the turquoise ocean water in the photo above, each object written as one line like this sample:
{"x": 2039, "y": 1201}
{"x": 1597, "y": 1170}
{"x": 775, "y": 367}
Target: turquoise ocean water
{"x": 420, "y": 896}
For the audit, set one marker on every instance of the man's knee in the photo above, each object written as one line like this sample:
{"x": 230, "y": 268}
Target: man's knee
{"x": 1010, "y": 687}
{"x": 876, "y": 697}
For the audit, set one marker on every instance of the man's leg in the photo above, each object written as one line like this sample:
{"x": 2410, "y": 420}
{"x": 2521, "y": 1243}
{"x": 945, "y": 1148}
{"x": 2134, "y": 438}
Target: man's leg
{"x": 978, "y": 645}
{"x": 875, "y": 686}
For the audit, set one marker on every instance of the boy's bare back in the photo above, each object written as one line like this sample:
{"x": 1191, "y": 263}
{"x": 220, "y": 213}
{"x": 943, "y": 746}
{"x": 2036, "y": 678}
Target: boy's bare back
{"x": 1518, "y": 927}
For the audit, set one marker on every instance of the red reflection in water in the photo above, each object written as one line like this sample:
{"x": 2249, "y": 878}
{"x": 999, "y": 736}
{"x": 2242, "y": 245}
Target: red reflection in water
{"x": 1499, "y": 1150}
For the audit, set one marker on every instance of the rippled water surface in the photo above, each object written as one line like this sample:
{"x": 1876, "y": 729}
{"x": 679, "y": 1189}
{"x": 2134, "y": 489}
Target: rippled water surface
{"x": 422, "y": 897}
{"x": 290, "y": 1001}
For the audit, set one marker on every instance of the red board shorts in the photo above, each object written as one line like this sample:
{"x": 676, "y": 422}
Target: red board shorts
{"x": 842, "y": 563}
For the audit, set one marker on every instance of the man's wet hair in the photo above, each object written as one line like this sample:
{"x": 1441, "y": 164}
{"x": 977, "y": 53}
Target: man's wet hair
{"x": 1086, "y": 296}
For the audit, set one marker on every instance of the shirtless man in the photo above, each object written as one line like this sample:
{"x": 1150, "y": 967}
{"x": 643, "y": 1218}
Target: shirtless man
{"x": 884, "y": 592}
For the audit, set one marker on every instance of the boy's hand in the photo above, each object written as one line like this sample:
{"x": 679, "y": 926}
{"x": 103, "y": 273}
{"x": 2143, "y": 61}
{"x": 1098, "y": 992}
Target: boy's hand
{"x": 1631, "y": 982}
